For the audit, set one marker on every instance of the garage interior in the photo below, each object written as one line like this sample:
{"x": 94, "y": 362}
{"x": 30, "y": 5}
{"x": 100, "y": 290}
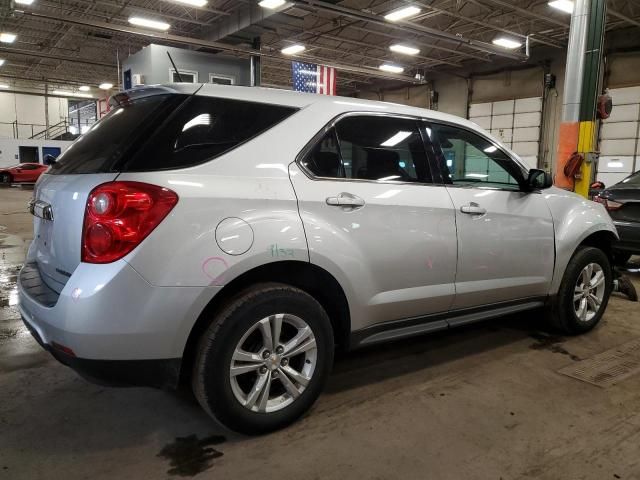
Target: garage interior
{"x": 502, "y": 399}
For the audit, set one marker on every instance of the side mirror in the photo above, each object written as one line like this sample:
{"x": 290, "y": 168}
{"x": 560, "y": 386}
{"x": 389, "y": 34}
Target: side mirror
{"x": 539, "y": 179}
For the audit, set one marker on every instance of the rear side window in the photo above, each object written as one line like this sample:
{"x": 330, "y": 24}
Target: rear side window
{"x": 371, "y": 148}
{"x": 204, "y": 128}
{"x": 98, "y": 150}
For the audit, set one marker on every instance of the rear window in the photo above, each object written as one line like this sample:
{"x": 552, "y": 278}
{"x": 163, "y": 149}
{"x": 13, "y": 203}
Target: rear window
{"x": 106, "y": 142}
{"x": 204, "y": 128}
{"x": 165, "y": 132}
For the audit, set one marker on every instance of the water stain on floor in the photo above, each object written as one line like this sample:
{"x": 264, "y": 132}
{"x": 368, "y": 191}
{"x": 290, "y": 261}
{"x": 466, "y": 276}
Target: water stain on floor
{"x": 190, "y": 455}
{"x": 552, "y": 343}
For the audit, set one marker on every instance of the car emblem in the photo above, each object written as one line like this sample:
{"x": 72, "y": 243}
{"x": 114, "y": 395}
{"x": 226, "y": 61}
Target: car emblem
{"x": 42, "y": 209}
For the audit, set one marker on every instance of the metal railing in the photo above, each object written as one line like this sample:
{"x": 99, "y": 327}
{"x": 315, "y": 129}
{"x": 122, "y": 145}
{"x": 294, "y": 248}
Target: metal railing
{"x": 53, "y": 132}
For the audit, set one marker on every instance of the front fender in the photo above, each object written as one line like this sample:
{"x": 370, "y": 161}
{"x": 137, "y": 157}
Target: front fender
{"x": 575, "y": 219}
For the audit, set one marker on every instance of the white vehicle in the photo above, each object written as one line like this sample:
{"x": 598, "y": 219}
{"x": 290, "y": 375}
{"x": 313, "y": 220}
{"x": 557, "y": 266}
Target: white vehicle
{"x": 233, "y": 236}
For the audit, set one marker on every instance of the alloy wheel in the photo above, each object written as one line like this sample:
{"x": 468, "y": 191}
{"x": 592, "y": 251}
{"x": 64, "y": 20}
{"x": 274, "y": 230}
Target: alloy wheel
{"x": 589, "y": 292}
{"x": 273, "y": 363}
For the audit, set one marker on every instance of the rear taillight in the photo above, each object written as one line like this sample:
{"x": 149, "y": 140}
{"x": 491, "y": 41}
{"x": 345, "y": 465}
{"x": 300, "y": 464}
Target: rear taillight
{"x": 610, "y": 205}
{"x": 119, "y": 215}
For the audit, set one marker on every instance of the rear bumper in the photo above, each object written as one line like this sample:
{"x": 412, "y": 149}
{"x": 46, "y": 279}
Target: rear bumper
{"x": 110, "y": 324}
{"x": 163, "y": 373}
{"x": 629, "y": 236}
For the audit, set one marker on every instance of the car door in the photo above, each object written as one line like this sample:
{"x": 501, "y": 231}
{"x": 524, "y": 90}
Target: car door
{"x": 375, "y": 219}
{"x": 506, "y": 246}
{"x": 19, "y": 173}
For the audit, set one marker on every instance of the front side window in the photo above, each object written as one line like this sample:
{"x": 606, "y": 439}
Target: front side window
{"x": 471, "y": 160}
{"x": 371, "y": 148}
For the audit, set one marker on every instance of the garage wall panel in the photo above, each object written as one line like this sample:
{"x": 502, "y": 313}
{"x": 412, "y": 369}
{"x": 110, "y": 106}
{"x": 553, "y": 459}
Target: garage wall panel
{"x": 619, "y": 130}
{"x": 503, "y": 108}
{"x": 522, "y": 120}
{"x": 480, "y": 110}
{"x": 625, "y": 96}
{"x": 527, "y": 134}
{"x": 502, "y": 121}
{"x": 615, "y": 164}
{"x": 527, "y": 105}
{"x": 624, "y": 113}
{"x": 618, "y": 147}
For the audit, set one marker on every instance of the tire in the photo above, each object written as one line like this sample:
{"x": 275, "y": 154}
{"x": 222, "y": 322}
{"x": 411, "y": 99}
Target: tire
{"x": 5, "y": 178}
{"x": 620, "y": 259}
{"x": 224, "y": 395}
{"x": 567, "y": 312}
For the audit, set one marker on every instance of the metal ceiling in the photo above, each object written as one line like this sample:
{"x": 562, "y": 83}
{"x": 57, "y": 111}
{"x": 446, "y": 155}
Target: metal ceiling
{"x": 76, "y": 42}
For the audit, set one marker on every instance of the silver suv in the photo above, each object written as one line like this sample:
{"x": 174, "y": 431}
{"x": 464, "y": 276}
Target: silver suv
{"x": 232, "y": 237}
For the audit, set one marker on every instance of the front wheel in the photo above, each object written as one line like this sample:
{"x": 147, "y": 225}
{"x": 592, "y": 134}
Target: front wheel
{"x": 264, "y": 359}
{"x": 5, "y": 178}
{"x": 584, "y": 292}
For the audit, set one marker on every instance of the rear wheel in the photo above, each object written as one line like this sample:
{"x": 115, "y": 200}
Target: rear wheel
{"x": 584, "y": 292}
{"x": 5, "y": 178}
{"x": 264, "y": 359}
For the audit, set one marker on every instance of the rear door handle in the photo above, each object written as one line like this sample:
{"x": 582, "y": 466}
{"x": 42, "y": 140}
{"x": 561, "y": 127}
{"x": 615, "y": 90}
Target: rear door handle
{"x": 346, "y": 200}
{"x": 473, "y": 209}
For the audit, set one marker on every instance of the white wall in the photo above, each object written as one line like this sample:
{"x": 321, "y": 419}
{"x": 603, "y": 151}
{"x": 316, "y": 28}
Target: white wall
{"x": 9, "y": 149}
{"x": 28, "y": 110}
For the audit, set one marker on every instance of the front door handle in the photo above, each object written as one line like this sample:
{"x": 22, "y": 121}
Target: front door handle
{"x": 347, "y": 200}
{"x": 473, "y": 209}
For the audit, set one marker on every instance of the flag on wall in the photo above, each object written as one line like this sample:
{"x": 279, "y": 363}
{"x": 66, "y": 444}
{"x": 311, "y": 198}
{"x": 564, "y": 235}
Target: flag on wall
{"x": 312, "y": 78}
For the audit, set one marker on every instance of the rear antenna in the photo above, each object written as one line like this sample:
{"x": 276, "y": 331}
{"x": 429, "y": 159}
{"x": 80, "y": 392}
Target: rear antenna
{"x": 174, "y": 67}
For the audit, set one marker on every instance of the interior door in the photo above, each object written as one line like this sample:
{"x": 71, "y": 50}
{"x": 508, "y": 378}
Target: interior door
{"x": 505, "y": 235}
{"x": 375, "y": 220}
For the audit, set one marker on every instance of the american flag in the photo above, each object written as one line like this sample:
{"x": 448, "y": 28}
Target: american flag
{"x": 312, "y": 78}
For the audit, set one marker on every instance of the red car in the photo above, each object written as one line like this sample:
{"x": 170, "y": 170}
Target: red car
{"x": 25, "y": 172}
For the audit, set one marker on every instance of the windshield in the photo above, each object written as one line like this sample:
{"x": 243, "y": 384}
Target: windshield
{"x": 632, "y": 180}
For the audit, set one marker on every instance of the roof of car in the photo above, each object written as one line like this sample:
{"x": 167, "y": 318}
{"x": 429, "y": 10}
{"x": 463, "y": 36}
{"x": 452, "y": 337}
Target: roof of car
{"x": 302, "y": 100}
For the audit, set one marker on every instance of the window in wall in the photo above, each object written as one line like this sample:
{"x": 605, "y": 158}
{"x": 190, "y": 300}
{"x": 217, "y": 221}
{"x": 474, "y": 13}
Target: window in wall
{"x": 186, "y": 76}
{"x": 472, "y": 160}
{"x": 220, "y": 79}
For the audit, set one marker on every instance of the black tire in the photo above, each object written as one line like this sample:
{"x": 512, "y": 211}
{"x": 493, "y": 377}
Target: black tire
{"x": 211, "y": 379}
{"x": 5, "y": 178}
{"x": 620, "y": 259}
{"x": 563, "y": 314}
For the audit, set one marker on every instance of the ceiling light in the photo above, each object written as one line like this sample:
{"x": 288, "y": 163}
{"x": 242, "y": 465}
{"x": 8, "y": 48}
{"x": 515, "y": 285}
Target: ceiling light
{"x": 7, "y": 37}
{"x": 398, "y": 48}
{"x": 84, "y": 88}
{"x": 507, "y": 43}
{"x": 491, "y": 149}
{"x": 402, "y": 13}
{"x": 1, "y": 61}
{"x": 106, "y": 86}
{"x": 4, "y": 85}
{"x": 193, "y": 3}
{"x": 293, "y": 49}
{"x": 146, "y": 22}
{"x": 24, "y": 2}
{"x": 66, "y": 93}
{"x": 385, "y": 67}
{"x": 396, "y": 139}
{"x": 564, "y": 5}
{"x": 271, "y": 4}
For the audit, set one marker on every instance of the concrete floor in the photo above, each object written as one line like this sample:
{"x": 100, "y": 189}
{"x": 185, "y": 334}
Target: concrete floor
{"x": 483, "y": 402}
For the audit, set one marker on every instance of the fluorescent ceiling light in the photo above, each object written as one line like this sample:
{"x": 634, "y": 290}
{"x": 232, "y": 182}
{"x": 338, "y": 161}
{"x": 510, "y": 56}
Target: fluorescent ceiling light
{"x": 146, "y": 22}
{"x": 402, "y": 13}
{"x": 193, "y": 3}
{"x": 564, "y": 5}
{"x": 293, "y": 49}
{"x": 490, "y": 149}
{"x": 396, "y": 139}
{"x": 1, "y": 61}
{"x": 615, "y": 164}
{"x": 24, "y": 2}
{"x": 476, "y": 175}
{"x": 106, "y": 86}
{"x": 385, "y": 67}
{"x": 84, "y": 88}
{"x": 405, "y": 49}
{"x": 4, "y": 85}
{"x": 271, "y": 4}
{"x": 7, "y": 37}
{"x": 507, "y": 43}
{"x": 66, "y": 93}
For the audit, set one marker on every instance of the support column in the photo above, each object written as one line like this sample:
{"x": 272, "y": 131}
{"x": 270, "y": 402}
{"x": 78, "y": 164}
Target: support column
{"x": 582, "y": 85}
{"x": 256, "y": 67}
